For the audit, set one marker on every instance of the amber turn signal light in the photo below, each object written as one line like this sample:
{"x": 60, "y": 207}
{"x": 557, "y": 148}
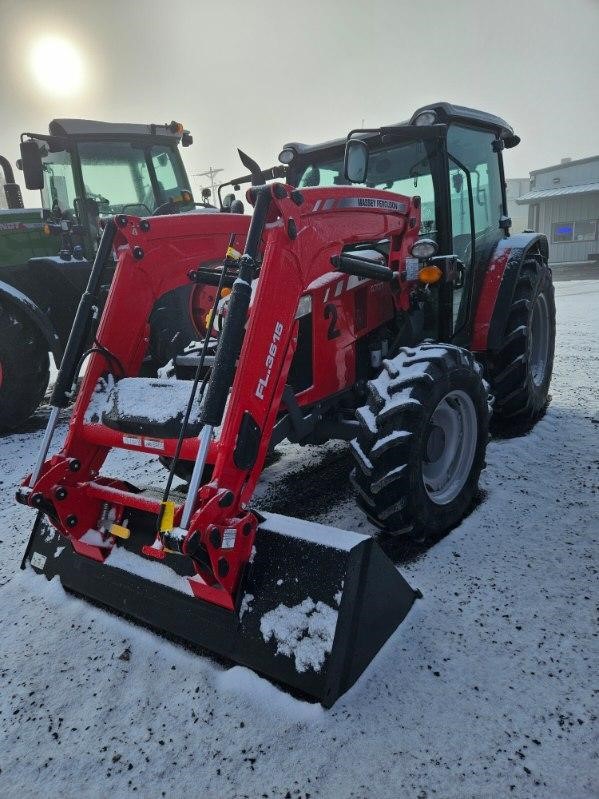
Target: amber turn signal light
{"x": 430, "y": 274}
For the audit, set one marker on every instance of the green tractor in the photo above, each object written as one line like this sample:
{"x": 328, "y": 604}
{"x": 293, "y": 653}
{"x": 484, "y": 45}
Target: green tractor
{"x": 85, "y": 170}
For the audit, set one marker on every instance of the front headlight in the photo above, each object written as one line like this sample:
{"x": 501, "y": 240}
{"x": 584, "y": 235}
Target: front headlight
{"x": 287, "y": 155}
{"x": 424, "y": 249}
{"x": 426, "y": 118}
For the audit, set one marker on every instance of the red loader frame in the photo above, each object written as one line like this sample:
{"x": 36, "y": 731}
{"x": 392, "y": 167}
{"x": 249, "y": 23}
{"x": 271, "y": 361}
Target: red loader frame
{"x": 298, "y": 236}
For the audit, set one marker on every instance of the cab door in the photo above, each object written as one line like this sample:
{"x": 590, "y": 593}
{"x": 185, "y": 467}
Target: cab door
{"x": 477, "y": 201}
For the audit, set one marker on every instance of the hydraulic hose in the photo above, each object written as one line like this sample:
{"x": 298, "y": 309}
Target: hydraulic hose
{"x": 61, "y": 395}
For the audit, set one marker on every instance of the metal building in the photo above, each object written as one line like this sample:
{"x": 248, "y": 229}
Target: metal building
{"x": 515, "y": 188}
{"x": 563, "y": 203}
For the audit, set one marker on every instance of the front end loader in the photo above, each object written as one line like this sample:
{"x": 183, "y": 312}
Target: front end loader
{"x": 307, "y": 605}
{"x": 361, "y": 313}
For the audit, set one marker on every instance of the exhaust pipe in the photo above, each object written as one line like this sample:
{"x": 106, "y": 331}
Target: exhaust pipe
{"x": 12, "y": 190}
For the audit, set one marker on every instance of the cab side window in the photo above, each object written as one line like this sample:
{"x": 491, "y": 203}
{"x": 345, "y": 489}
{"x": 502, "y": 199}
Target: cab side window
{"x": 58, "y": 194}
{"x": 165, "y": 173}
{"x": 476, "y": 205}
{"x": 473, "y": 149}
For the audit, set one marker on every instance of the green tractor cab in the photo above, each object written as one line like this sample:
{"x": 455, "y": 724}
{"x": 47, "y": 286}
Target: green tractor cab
{"x": 85, "y": 171}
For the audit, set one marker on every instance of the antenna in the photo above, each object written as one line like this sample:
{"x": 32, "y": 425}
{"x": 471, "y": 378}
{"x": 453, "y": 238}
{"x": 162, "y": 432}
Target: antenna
{"x": 211, "y": 174}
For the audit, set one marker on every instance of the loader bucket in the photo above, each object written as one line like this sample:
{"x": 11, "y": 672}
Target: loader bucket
{"x": 316, "y": 606}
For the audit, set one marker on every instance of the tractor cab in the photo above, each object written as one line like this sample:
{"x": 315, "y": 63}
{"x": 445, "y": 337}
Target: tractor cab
{"x": 86, "y": 171}
{"x": 89, "y": 170}
{"x": 450, "y": 157}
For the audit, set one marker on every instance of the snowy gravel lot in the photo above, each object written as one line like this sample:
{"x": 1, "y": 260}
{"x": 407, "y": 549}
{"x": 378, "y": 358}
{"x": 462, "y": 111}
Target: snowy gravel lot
{"x": 484, "y": 691}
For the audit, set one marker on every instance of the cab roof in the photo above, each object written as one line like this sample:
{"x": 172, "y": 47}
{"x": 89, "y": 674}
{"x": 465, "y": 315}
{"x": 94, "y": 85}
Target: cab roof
{"x": 92, "y": 128}
{"x": 446, "y": 113}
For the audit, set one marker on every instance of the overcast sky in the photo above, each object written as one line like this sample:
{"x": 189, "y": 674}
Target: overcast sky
{"x": 259, "y": 74}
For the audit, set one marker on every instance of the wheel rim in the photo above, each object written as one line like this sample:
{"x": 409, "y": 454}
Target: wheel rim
{"x": 450, "y": 445}
{"x": 539, "y": 340}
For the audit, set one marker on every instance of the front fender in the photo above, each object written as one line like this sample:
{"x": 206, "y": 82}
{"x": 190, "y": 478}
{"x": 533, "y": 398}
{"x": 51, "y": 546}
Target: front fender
{"x": 21, "y": 302}
{"x": 498, "y": 287}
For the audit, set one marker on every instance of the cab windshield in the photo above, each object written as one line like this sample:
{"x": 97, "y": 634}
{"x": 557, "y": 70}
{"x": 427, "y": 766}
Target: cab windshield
{"x": 403, "y": 169}
{"x": 119, "y": 177}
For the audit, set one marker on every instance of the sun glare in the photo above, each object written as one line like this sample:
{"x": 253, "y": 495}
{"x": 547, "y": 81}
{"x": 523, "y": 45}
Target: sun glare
{"x": 57, "y": 66}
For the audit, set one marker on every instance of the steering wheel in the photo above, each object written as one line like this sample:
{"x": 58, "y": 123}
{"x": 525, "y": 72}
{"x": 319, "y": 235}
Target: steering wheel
{"x": 169, "y": 207}
{"x": 136, "y": 205}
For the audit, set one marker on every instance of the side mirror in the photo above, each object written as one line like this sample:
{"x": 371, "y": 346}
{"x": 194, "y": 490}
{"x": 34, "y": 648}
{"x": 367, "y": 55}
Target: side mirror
{"x": 31, "y": 159}
{"x": 355, "y": 165}
{"x": 206, "y": 195}
{"x": 228, "y": 200}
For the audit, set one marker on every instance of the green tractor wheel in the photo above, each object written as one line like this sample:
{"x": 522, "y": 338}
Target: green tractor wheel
{"x": 24, "y": 368}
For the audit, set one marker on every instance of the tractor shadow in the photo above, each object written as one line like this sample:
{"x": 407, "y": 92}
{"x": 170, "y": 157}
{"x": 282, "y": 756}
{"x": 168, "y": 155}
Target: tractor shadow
{"x": 306, "y": 492}
{"x": 516, "y": 429}
{"x": 35, "y": 423}
{"x": 403, "y": 549}
{"x": 313, "y": 490}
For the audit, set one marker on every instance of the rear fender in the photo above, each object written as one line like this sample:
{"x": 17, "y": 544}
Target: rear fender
{"x": 21, "y": 302}
{"x": 499, "y": 284}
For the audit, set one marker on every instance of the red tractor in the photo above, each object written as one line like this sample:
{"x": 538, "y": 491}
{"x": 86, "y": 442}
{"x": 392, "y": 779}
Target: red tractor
{"x": 390, "y": 315}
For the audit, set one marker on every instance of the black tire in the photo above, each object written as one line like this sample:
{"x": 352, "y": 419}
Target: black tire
{"x": 24, "y": 368}
{"x": 517, "y": 384}
{"x": 394, "y": 441}
{"x": 171, "y": 327}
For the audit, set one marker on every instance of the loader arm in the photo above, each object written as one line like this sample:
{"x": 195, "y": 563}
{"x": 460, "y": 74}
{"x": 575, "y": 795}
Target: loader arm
{"x": 300, "y": 241}
{"x": 290, "y": 264}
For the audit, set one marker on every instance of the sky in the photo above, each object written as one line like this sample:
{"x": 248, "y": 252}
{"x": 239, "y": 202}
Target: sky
{"x": 257, "y": 74}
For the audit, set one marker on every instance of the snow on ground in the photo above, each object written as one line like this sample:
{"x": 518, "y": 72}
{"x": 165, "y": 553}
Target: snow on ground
{"x": 484, "y": 691}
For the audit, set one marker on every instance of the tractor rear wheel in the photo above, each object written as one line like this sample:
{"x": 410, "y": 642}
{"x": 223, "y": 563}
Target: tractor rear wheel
{"x": 24, "y": 368}
{"x": 520, "y": 371}
{"x": 422, "y": 440}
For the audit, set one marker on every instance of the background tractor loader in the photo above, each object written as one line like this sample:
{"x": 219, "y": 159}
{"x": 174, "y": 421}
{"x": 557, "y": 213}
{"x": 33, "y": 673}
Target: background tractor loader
{"x": 379, "y": 300}
{"x": 85, "y": 171}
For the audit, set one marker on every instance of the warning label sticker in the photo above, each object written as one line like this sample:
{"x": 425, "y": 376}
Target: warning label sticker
{"x": 154, "y": 443}
{"x": 133, "y": 441}
{"x": 38, "y": 561}
{"x": 229, "y": 538}
{"x": 412, "y": 265}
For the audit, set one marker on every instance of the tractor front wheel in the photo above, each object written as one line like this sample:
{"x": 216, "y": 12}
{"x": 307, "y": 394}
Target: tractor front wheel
{"x": 24, "y": 368}
{"x": 422, "y": 440}
{"x": 520, "y": 371}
